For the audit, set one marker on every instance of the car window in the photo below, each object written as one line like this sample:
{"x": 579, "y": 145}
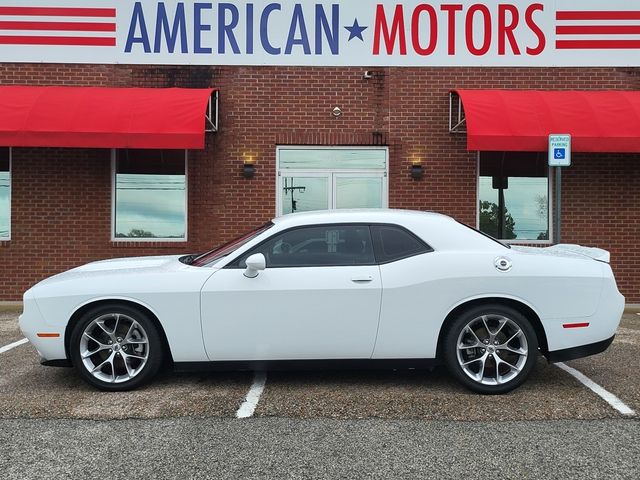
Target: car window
{"x": 395, "y": 243}
{"x": 317, "y": 246}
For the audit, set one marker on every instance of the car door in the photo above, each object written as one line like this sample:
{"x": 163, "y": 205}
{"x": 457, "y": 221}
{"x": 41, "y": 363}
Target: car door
{"x": 318, "y": 298}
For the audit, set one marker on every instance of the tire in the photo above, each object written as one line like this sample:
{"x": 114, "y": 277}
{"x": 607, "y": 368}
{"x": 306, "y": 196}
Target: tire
{"x": 116, "y": 348}
{"x": 489, "y": 336}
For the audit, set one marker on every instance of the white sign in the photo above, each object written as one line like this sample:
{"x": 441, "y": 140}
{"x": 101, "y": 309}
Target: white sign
{"x": 323, "y": 32}
{"x": 559, "y": 150}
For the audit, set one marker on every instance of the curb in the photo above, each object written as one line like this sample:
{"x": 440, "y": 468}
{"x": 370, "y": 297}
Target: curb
{"x": 10, "y": 307}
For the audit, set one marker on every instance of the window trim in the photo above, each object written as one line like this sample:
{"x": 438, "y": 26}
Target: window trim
{"x": 232, "y": 264}
{"x": 331, "y": 171}
{"x": 8, "y": 239}
{"x": 515, "y": 241}
{"x": 154, "y": 239}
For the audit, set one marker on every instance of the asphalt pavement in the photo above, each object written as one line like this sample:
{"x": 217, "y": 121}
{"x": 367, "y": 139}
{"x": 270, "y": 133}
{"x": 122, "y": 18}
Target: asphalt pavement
{"x": 331, "y": 424}
{"x": 285, "y": 448}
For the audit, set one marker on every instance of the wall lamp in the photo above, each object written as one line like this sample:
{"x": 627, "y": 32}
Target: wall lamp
{"x": 417, "y": 171}
{"x": 249, "y": 168}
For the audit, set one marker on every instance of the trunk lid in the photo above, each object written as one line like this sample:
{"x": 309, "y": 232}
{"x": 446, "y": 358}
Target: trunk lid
{"x": 568, "y": 250}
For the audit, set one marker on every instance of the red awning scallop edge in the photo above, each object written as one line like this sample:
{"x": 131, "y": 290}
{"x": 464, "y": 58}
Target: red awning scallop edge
{"x": 522, "y": 120}
{"x": 98, "y": 117}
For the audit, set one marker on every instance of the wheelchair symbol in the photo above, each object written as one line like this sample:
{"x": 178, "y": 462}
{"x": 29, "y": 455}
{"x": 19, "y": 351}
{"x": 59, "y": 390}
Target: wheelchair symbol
{"x": 559, "y": 153}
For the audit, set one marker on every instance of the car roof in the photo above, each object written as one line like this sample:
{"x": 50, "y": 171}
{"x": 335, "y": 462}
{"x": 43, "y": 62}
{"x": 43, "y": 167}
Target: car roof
{"x": 368, "y": 215}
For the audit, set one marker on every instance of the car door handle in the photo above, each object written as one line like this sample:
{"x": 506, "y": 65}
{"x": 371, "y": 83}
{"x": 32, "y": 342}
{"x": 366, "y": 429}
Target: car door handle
{"x": 365, "y": 279}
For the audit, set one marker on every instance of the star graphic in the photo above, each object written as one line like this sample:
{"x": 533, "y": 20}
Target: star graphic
{"x": 355, "y": 31}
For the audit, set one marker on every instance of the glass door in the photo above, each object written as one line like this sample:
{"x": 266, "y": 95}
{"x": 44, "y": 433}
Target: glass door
{"x": 322, "y": 178}
{"x": 303, "y": 192}
{"x": 359, "y": 190}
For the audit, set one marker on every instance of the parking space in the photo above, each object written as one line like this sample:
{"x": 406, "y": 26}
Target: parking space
{"x": 9, "y": 331}
{"x": 28, "y": 390}
{"x": 617, "y": 369}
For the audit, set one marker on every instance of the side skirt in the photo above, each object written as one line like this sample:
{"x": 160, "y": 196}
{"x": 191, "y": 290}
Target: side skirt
{"x": 288, "y": 365}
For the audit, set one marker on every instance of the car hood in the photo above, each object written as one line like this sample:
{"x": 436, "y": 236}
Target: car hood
{"x": 127, "y": 264}
{"x": 118, "y": 266}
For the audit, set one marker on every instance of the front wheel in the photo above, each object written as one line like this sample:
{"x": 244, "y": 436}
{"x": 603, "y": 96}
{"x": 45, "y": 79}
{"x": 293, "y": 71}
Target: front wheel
{"x": 116, "y": 348}
{"x": 491, "y": 349}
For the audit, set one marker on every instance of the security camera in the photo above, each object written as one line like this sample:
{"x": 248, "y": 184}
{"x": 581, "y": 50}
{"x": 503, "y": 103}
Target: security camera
{"x": 368, "y": 75}
{"x": 336, "y": 112}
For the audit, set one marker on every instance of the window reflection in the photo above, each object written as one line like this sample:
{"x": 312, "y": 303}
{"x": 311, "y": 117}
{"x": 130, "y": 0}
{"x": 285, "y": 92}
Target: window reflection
{"x": 304, "y": 194}
{"x": 5, "y": 194}
{"x": 514, "y": 195}
{"x": 150, "y": 194}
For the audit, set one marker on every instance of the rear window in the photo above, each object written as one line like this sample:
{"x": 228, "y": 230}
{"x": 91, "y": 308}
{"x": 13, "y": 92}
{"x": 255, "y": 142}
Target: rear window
{"x": 395, "y": 243}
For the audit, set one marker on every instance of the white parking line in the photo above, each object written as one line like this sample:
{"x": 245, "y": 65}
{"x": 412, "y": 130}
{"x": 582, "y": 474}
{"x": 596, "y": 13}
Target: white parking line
{"x": 253, "y": 397}
{"x": 6, "y": 348}
{"x": 607, "y": 396}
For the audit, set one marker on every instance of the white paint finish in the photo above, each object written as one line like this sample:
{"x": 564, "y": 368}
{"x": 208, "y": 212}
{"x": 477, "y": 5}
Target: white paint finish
{"x": 607, "y": 396}
{"x": 319, "y": 312}
{"x": 13, "y": 345}
{"x": 291, "y": 313}
{"x": 250, "y": 403}
{"x": 168, "y": 288}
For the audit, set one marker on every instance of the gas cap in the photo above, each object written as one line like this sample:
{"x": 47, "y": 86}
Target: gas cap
{"x": 503, "y": 264}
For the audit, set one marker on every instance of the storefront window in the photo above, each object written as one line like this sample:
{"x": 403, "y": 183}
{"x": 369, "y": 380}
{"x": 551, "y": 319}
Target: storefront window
{"x": 514, "y": 195}
{"x": 150, "y": 194}
{"x": 5, "y": 193}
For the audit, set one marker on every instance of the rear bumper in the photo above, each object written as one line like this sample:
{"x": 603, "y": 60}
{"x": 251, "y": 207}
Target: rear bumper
{"x": 579, "y": 352}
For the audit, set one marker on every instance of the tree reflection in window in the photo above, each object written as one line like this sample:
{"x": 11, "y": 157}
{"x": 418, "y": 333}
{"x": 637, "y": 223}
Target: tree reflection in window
{"x": 513, "y": 195}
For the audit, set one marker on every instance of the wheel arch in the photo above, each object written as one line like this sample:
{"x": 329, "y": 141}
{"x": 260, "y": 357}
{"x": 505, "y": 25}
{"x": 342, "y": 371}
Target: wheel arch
{"x": 516, "y": 304}
{"x": 83, "y": 309}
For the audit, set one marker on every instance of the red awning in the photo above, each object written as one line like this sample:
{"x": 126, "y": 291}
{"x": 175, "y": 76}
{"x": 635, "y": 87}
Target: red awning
{"x": 522, "y": 120}
{"x": 96, "y": 117}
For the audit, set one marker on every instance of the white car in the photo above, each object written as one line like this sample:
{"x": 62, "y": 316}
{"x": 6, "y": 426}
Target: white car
{"x": 388, "y": 287}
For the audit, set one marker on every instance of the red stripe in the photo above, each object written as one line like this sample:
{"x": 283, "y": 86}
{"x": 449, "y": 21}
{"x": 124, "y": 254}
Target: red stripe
{"x": 59, "y": 11}
{"x": 66, "y": 26}
{"x": 597, "y": 44}
{"x": 602, "y": 15}
{"x": 575, "y": 325}
{"x": 598, "y": 29}
{"x": 28, "y": 40}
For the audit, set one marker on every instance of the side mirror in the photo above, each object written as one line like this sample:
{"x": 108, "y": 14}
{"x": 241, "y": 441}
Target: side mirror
{"x": 255, "y": 264}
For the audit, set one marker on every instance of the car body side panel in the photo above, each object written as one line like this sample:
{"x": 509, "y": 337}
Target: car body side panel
{"x": 419, "y": 292}
{"x": 296, "y": 313}
{"x": 171, "y": 292}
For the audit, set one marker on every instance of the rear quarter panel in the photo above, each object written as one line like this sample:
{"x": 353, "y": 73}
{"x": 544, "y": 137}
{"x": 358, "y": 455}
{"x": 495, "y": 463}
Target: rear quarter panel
{"x": 419, "y": 292}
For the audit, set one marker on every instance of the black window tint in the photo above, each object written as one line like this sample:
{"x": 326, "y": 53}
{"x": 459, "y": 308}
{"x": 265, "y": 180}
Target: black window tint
{"x": 394, "y": 243}
{"x": 327, "y": 245}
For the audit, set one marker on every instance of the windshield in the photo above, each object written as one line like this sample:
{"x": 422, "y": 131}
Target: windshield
{"x": 213, "y": 256}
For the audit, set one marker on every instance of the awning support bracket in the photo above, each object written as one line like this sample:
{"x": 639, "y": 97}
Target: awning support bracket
{"x": 457, "y": 119}
{"x": 211, "y": 115}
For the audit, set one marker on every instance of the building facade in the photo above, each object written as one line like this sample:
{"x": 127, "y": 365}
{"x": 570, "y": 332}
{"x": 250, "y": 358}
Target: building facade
{"x": 301, "y": 137}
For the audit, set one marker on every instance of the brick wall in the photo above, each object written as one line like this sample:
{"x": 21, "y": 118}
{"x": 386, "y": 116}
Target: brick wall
{"x": 61, "y": 213}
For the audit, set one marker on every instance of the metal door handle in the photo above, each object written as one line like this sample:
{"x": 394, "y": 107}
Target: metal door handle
{"x": 366, "y": 279}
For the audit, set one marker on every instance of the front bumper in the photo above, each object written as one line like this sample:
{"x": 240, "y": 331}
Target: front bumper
{"x": 579, "y": 352}
{"x": 32, "y": 322}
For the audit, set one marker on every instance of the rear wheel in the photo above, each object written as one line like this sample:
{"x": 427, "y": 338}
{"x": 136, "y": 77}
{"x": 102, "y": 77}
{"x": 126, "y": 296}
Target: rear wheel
{"x": 116, "y": 347}
{"x": 491, "y": 349}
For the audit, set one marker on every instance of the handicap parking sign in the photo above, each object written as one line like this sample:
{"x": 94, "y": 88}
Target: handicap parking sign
{"x": 560, "y": 150}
